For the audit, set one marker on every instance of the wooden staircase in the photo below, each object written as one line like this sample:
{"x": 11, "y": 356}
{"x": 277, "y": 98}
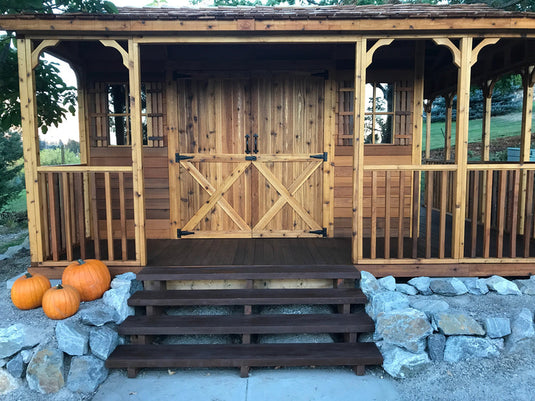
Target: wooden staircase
{"x": 156, "y": 299}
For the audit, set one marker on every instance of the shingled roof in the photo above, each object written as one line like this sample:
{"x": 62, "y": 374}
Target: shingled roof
{"x": 396, "y": 11}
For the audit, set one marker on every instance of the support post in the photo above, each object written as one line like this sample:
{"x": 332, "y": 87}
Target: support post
{"x": 461, "y": 145}
{"x": 428, "y": 105}
{"x": 358, "y": 149}
{"x": 487, "y": 87}
{"x": 30, "y": 144}
{"x": 448, "y": 125}
{"x": 134, "y": 78}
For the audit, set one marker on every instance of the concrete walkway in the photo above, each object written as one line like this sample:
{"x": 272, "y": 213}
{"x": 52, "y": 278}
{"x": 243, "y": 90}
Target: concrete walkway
{"x": 263, "y": 385}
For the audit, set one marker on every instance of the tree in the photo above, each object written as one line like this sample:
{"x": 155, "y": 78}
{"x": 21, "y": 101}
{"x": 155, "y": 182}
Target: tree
{"x": 10, "y": 152}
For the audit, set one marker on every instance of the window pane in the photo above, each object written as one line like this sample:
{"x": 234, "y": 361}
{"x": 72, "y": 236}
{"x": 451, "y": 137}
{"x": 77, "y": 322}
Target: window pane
{"x": 143, "y": 99}
{"x": 117, "y": 99}
{"x": 144, "y": 128}
{"x": 383, "y": 129}
{"x": 118, "y": 130}
{"x": 369, "y": 97}
{"x": 384, "y": 95}
{"x": 368, "y": 129}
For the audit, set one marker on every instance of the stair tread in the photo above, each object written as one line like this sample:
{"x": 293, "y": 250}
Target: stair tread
{"x": 226, "y": 272}
{"x": 236, "y": 355}
{"x": 247, "y": 324}
{"x": 312, "y": 296}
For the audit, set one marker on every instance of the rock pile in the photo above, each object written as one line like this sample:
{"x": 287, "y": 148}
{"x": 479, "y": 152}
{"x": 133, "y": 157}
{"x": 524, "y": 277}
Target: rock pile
{"x": 82, "y": 342}
{"x": 415, "y": 324}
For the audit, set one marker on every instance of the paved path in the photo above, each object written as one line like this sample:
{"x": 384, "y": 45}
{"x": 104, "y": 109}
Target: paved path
{"x": 263, "y": 384}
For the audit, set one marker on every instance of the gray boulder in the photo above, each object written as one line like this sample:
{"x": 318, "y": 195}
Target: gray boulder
{"x": 452, "y": 323}
{"x": 429, "y": 306}
{"x": 527, "y": 287}
{"x": 117, "y": 298}
{"x": 122, "y": 280}
{"x": 16, "y": 337}
{"x": 497, "y": 327}
{"x": 86, "y": 374}
{"x": 522, "y": 329}
{"x": 388, "y": 283}
{"x": 368, "y": 283}
{"x": 103, "y": 341}
{"x": 406, "y": 289}
{"x": 466, "y": 347}
{"x": 386, "y": 302}
{"x": 72, "y": 337}
{"x": 502, "y": 286}
{"x": 27, "y": 355}
{"x": 401, "y": 363}
{"x": 450, "y": 286}
{"x": 421, "y": 284}
{"x": 7, "y": 382}
{"x": 435, "y": 346}
{"x": 16, "y": 366}
{"x": 45, "y": 371}
{"x": 97, "y": 314}
{"x": 406, "y": 328}
{"x": 476, "y": 286}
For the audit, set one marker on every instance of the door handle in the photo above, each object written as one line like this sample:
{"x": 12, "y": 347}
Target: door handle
{"x": 255, "y": 136}
{"x": 247, "y": 149}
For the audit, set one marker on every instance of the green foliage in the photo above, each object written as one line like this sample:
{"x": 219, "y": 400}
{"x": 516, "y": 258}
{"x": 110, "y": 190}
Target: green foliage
{"x": 10, "y": 152}
{"x": 55, "y": 6}
{"x": 57, "y": 156}
{"x": 73, "y": 146}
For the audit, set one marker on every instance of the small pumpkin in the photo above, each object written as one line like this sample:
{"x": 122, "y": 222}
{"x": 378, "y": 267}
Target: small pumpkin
{"x": 61, "y": 301}
{"x": 90, "y": 277}
{"x": 27, "y": 291}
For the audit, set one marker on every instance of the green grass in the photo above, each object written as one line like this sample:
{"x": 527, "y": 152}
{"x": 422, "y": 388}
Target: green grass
{"x": 18, "y": 204}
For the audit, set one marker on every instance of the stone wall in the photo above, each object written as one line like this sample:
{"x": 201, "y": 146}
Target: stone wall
{"x": 447, "y": 319}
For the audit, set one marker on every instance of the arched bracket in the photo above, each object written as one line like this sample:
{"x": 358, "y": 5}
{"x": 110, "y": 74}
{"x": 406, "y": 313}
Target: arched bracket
{"x": 37, "y": 51}
{"x": 488, "y": 87}
{"x": 456, "y": 52}
{"x": 377, "y": 45}
{"x": 428, "y": 105}
{"x": 119, "y": 48}
{"x": 528, "y": 76}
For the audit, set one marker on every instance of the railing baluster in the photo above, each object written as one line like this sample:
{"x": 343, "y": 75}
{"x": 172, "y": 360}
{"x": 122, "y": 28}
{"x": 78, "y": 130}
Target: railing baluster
{"x": 67, "y": 215}
{"x": 528, "y": 223}
{"x": 373, "y": 244}
{"x": 415, "y": 211}
{"x": 443, "y": 208}
{"x": 487, "y": 216}
{"x": 79, "y": 178}
{"x": 109, "y": 217}
{"x": 400, "y": 215}
{"x": 72, "y": 209}
{"x": 501, "y": 212}
{"x": 54, "y": 243}
{"x": 122, "y": 211}
{"x": 387, "y": 213}
{"x": 514, "y": 211}
{"x": 45, "y": 215}
{"x": 429, "y": 175}
{"x": 475, "y": 203}
{"x": 94, "y": 214}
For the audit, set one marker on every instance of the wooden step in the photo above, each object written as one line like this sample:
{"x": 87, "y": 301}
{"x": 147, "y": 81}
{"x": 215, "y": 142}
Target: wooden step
{"x": 247, "y": 324}
{"x": 323, "y": 296}
{"x": 255, "y": 272}
{"x": 133, "y": 357}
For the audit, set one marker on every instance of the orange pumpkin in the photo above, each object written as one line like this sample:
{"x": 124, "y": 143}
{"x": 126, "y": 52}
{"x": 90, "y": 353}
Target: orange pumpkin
{"x": 61, "y": 301}
{"x": 90, "y": 277}
{"x": 27, "y": 291}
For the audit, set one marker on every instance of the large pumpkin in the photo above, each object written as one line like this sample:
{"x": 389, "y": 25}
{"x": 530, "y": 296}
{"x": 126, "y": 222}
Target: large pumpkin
{"x": 90, "y": 277}
{"x": 27, "y": 291}
{"x": 61, "y": 301}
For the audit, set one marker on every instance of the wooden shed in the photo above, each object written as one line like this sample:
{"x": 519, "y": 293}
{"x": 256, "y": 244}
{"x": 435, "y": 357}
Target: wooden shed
{"x": 279, "y": 135}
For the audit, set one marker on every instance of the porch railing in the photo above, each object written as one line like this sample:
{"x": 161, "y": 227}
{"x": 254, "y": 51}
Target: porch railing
{"x": 87, "y": 212}
{"x": 410, "y": 216}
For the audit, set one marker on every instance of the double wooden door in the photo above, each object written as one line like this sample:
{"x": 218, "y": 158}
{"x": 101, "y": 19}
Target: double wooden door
{"x": 250, "y": 156}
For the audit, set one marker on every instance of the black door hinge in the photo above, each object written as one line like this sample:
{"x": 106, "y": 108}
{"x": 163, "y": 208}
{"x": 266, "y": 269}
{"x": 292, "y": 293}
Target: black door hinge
{"x": 179, "y": 157}
{"x": 322, "y": 232}
{"x": 180, "y": 233}
{"x": 321, "y": 156}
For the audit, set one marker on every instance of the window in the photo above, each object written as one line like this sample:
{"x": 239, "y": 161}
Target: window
{"x": 109, "y": 113}
{"x": 380, "y": 111}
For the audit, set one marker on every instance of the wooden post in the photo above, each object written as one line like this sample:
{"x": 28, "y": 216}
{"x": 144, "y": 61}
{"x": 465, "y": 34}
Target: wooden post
{"x": 358, "y": 149}
{"x": 528, "y": 80}
{"x": 461, "y": 145}
{"x": 448, "y": 125}
{"x": 428, "y": 105}
{"x": 487, "y": 87}
{"x": 329, "y": 132}
{"x": 134, "y": 78}
{"x": 172, "y": 148}
{"x": 30, "y": 143}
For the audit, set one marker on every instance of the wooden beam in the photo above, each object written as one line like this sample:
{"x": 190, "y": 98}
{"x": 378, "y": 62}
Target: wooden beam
{"x": 487, "y": 87}
{"x": 455, "y": 52}
{"x": 480, "y": 46}
{"x": 417, "y": 123}
{"x": 377, "y": 45}
{"x": 171, "y": 99}
{"x": 37, "y": 51}
{"x": 428, "y": 105}
{"x": 115, "y": 45}
{"x": 134, "y": 80}
{"x": 329, "y": 133}
{"x": 361, "y": 61}
{"x": 448, "y": 125}
{"x": 30, "y": 144}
